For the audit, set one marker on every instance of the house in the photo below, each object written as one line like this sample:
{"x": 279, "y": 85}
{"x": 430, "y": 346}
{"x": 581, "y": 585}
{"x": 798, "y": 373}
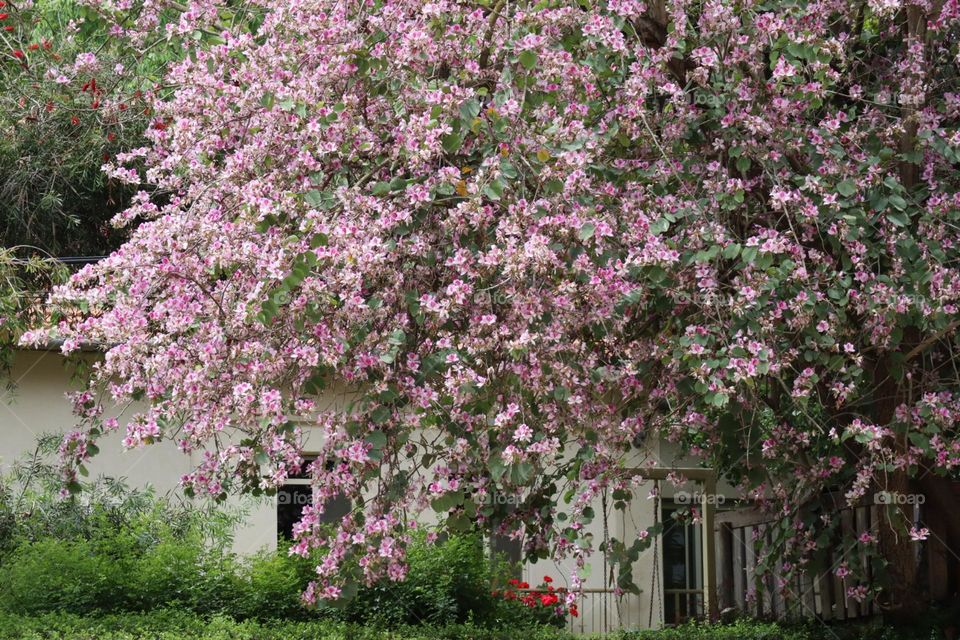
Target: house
{"x": 670, "y": 575}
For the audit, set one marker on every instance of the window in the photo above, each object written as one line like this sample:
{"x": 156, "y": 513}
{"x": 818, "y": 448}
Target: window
{"x": 295, "y": 494}
{"x": 682, "y": 568}
{"x": 508, "y": 550}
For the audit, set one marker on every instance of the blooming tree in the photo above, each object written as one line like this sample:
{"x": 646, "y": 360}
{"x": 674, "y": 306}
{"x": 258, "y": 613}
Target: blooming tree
{"x": 518, "y": 236}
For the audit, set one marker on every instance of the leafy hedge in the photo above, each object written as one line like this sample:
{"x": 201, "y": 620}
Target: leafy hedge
{"x": 171, "y": 625}
{"x": 119, "y": 550}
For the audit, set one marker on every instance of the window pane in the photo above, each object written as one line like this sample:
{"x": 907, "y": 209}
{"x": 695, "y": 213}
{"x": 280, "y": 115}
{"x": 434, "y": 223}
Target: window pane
{"x": 292, "y": 498}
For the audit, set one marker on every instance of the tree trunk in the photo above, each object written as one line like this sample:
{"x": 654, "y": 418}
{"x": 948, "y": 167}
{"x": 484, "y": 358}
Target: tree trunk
{"x": 903, "y": 600}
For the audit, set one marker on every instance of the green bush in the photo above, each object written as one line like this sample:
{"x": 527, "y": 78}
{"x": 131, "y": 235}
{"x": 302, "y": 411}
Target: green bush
{"x": 52, "y": 575}
{"x": 120, "y": 550}
{"x": 447, "y": 583}
{"x": 178, "y": 625}
{"x": 168, "y": 625}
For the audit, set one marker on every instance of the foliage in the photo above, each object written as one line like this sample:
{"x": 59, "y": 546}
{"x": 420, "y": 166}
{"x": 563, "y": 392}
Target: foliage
{"x": 186, "y": 627}
{"x": 167, "y": 624}
{"x": 71, "y": 97}
{"x": 523, "y": 237}
{"x": 114, "y": 550}
{"x": 24, "y": 279}
{"x": 448, "y": 583}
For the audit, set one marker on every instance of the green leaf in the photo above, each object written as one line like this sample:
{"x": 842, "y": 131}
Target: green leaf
{"x": 528, "y": 59}
{"x": 377, "y": 438}
{"x": 494, "y": 190}
{"x": 470, "y": 109}
{"x": 521, "y": 472}
{"x": 586, "y": 231}
{"x": 846, "y": 188}
{"x": 898, "y": 218}
{"x": 380, "y": 415}
{"x": 451, "y": 142}
{"x": 731, "y": 251}
{"x": 314, "y": 198}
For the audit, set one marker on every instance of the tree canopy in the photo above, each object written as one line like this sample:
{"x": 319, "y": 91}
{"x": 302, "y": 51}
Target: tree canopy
{"x": 521, "y": 235}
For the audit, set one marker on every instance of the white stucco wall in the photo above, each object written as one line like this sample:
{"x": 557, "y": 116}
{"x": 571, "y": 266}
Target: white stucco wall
{"x": 38, "y": 405}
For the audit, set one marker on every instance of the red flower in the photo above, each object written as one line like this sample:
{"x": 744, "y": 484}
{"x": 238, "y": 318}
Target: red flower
{"x": 33, "y": 46}
{"x": 74, "y": 120}
{"x": 547, "y": 579}
{"x": 523, "y": 585}
{"x": 8, "y": 28}
{"x": 4, "y": 16}
{"x": 573, "y": 610}
{"x": 17, "y": 53}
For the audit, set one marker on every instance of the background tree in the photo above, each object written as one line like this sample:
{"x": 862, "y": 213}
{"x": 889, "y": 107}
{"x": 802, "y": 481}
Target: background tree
{"x": 522, "y": 235}
{"x": 71, "y": 96}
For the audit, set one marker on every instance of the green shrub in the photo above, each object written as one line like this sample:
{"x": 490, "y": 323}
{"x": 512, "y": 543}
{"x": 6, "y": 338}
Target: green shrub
{"x": 169, "y": 625}
{"x": 107, "y": 559}
{"x": 178, "y": 625}
{"x": 65, "y": 575}
{"x": 268, "y": 586}
{"x": 446, "y": 584}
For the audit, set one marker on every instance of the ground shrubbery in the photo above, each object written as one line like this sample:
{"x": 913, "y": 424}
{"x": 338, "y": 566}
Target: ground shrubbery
{"x": 172, "y": 625}
{"x": 114, "y": 550}
{"x": 121, "y": 564}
